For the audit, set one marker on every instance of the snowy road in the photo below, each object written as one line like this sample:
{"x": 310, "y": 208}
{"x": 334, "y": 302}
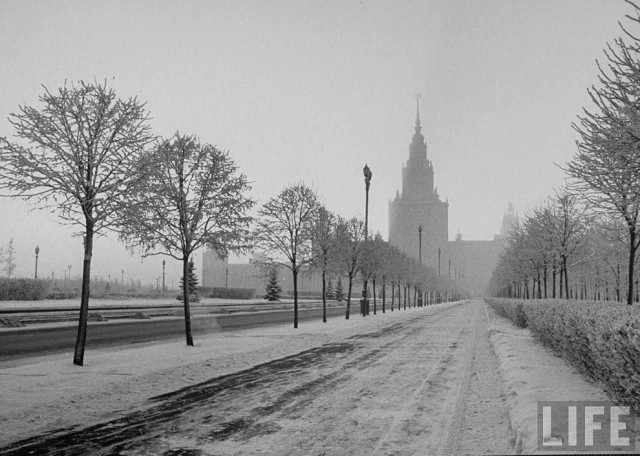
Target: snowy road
{"x": 428, "y": 384}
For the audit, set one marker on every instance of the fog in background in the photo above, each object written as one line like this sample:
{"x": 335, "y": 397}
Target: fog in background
{"x": 310, "y": 91}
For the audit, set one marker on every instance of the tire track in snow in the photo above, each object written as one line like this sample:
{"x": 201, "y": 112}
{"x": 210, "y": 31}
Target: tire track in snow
{"x": 139, "y": 429}
{"x": 404, "y": 413}
{"x": 454, "y": 430}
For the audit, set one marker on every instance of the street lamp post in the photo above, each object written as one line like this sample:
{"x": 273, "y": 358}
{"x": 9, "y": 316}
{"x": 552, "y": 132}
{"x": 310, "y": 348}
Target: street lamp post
{"x": 420, "y": 245}
{"x": 438, "y": 291}
{"x": 37, "y": 253}
{"x": 367, "y": 181}
{"x": 420, "y": 258}
{"x": 449, "y": 277}
{"x": 164, "y": 264}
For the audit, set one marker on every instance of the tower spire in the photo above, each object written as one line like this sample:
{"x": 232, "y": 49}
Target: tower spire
{"x": 418, "y": 126}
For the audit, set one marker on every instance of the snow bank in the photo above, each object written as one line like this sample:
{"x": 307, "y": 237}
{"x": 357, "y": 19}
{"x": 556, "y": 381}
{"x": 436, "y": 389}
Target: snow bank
{"x": 533, "y": 374}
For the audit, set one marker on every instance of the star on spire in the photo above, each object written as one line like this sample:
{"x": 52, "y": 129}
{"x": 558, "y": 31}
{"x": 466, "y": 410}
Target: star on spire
{"x": 418, "y": 98}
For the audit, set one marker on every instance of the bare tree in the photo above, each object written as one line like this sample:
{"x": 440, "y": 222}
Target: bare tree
{"x": 607, "y": 238}
{"x": 324, "y": 249}
{"x": 284, "y": 231}
{"x": 373, "y": 258}
{"x": 606, "y": 168}
{"x": 351, "y": 235}
{"x": 392, "y": 271}
{"x": 9, "y": 259}
{"x": 193, "y": 197}
{"x": 565, "y": 224}
{"x": 84, "y": 150}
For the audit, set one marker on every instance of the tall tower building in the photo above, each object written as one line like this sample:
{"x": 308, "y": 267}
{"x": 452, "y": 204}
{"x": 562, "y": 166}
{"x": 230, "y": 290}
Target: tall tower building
{"x": 509, "y": 222}
{"x": 418, "y": 205}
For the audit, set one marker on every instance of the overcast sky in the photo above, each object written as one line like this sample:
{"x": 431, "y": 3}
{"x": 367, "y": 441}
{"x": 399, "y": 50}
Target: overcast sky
{"x": 312, "y": 90}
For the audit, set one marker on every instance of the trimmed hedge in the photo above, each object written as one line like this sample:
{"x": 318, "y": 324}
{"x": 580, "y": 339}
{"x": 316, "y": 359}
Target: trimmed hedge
{"x": 512, "y": 311}
{"x": 22, "y": 289}
{"x": 233, "y": 293}
{"x": 305, "y": 294}
{"x": 601, "y": 339}
{"x": 64, "y": 294}
{"x": 192, "y": 297}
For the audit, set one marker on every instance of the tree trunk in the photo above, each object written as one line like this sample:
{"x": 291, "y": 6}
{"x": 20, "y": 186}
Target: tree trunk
{"x": 185, "y": 297}
{"x": 632, "y": 257}
{"x": 618, "y": 282}
{"x": 384, "y": 293}
{"x": 324, "y": 296}
{"x": 295, "y": 296}
{"x": 81, "y": 339}
{"x": 349, "y": 297}
{"x": 405, "y": 297}
{"x": 561, "y": 279}
{"x": 553, "y": 293}
{"x": 393, "y": 294}
{"x": 566, "y": 277}
{"x": 373, "y": 284}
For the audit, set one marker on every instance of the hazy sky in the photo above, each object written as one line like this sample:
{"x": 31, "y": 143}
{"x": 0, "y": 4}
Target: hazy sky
{"x": 312, "y": 90}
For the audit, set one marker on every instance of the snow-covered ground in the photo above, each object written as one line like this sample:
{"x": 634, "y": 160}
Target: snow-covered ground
{"x": 42, "y": 394}
{"x": 531, "y": 374}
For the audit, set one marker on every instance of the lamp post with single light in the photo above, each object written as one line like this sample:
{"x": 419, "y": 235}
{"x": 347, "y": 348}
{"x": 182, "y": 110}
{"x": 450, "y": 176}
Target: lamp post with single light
{"x": 364, "y": 303}
{"x": 420, "y": 260}
{"x": 37, "y": 253}
{"x": 164, "y": 264}
{"x": 420, "y": 245}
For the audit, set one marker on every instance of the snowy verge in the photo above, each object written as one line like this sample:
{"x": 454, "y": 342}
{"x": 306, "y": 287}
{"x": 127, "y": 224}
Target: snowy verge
{"x": 532, "y": 374}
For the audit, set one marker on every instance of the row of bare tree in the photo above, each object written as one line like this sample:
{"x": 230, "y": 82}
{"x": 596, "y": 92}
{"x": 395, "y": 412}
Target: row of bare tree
{"x": 561, "y": 249}
{"x": 295, "y": 231}
{"x": 92, "y": 158}
{"x": 591, "y": 229}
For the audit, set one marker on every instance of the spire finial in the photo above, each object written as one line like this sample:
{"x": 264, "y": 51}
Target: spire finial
{"x": 418, "y": 97}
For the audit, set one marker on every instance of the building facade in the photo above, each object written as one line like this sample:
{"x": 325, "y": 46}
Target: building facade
{"x": 416, "y": 207}
{"x": 218, "y": 272}
{"x": 419, "y": 207}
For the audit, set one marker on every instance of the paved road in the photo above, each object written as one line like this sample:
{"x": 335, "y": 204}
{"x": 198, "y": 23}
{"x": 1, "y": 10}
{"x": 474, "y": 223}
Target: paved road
{"x": 425, "y": 385}
{"x": 19, "y": 342}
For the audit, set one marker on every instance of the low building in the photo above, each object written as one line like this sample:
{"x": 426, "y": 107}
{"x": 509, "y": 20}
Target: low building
{"x": 218, "y": 272}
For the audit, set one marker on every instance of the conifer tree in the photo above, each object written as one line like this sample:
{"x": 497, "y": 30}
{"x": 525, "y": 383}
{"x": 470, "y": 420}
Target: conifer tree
{"x": 330, "y": 290}
{"x": 339, "y": 294}
{"x": 273, "y": 288}
{"x": 192, "y": 282}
